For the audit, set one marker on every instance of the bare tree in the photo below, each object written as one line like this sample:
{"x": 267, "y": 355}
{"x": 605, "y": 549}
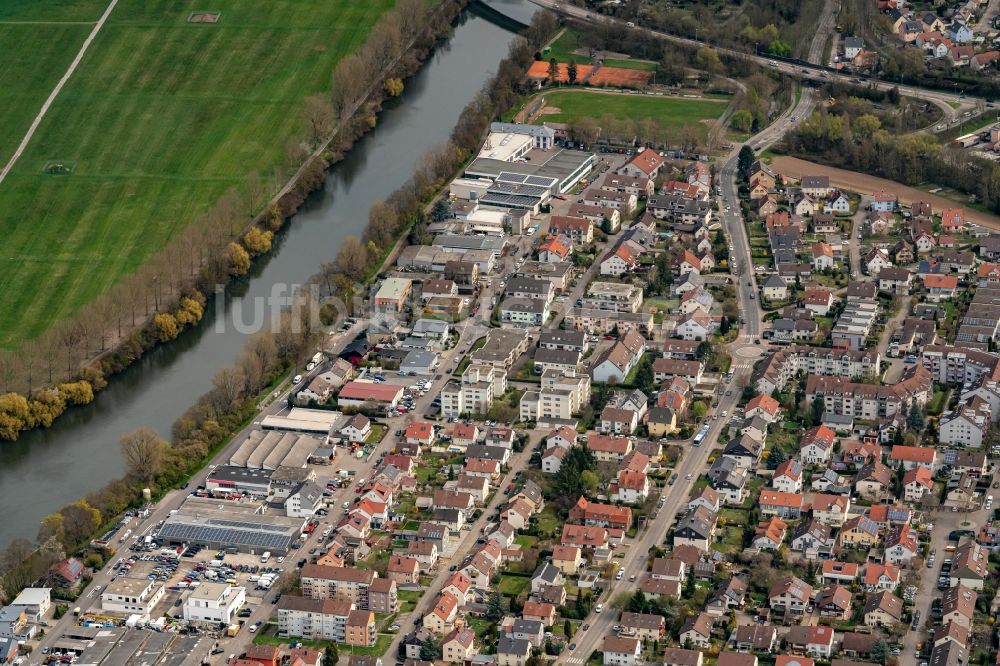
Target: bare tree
{"x": 143, "y": 452}
{"x": 229, "y": 388}
{"x": 352, "y": 259}
{"x": 254, "y": 191}
{"x": 351, "y": 78}
{"x": 319, "y": 118}
{"x": 385, "y": 43}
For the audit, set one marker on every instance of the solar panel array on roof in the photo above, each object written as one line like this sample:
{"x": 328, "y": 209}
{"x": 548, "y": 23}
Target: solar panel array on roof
{"x": 237, "y": 534}
{"x": 539, "y": 180}
{"x": 518, "y": 188}
{"x": 509, "y": 199}
{"x": 509, "y": 177}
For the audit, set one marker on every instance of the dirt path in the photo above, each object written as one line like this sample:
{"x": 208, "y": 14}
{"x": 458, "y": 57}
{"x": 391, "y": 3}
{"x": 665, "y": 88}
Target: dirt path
{"x": 865, "y": 185}
{"x": 55, "y": 91}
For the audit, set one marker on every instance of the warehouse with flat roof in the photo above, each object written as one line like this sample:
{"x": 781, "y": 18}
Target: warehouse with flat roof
{"x": 565, "y": 167}
{"x": 240, "y": 526}
{"x": 271, "y": 449}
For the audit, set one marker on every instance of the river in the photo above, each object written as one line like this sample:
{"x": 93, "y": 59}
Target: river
{"x": 46, "y": 469}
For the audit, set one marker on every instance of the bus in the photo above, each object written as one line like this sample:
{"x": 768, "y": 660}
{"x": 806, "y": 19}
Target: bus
{"x": 700, "y": 436}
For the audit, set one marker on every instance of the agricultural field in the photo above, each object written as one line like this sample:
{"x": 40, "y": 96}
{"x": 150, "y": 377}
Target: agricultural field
{"x": 668, "y": 111}
{"x": 167, "y": 110}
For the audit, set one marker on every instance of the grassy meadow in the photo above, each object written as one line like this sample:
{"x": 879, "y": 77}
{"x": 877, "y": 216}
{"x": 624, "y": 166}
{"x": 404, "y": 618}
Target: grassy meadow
{"x": 669, "y": 111}
{"x": 159, "y": 119}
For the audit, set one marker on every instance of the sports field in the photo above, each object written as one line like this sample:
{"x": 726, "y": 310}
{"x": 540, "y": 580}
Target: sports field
{"x": 668, "y": 111}
{"x": 160, "y": 118}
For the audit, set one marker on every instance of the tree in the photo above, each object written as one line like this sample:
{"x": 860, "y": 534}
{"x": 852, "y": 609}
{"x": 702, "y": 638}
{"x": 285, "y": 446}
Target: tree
{"x": 567, "y": 628}
{"x": 80, "y": 521}
{"x": 430, "y": 649}
{"x": 589, "y": 480}
{"x": 350, "y": 78}
{"x": 393, "y": 87}
{"x": 439, "y": 213}
{"x": 571, "y": 71}
{"x": 258, "y": 241}
{"x": 166, "y": 326}
{"x": 818, "y": 408}
{"x": 238, "y": 260}
{"x": 585, "y": 130}
{"x": 319, "y": 117}
{"x": 644, "y": 377}
{"x": 915, "y": 419}
{"x": 637, "y": 604}
{"x": 494, "y": 606}
{"x": 553, "y": 70}
{"x": 880, "y": 650}
{"x": 698, "y": 410}
{"x": 708, "y": 60}
{"x": 143, "y": 451}
{"x": 51, "y": 528}
{"x": 742, "y": 120}
{"x": 745, "y": 160}
{"x": 775, "y": 456}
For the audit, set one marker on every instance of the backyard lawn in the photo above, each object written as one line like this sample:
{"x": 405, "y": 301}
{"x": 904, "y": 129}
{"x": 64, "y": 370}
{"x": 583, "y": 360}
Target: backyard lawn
{"x": 514, "y": 585}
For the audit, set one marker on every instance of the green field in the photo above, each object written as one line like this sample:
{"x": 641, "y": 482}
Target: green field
{"x": 625, "y": 63}
{"x": 160, "y": 118}
{"x": 668, "y": 111}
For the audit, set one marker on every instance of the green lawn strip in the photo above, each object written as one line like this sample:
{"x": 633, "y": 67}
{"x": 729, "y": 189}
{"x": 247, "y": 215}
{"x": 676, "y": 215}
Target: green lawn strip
{"x": 671, "y": 112}
{"x": 625, "y": 63}
{"x": 377, "y": 433}
{"x": 526, "y": 541}
{"x": 160, "y": 118}
{"x": 379, "y": 649}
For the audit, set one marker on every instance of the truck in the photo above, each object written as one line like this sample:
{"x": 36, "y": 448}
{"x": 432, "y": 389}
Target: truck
{"x": 76, "y": 612}
{"x": 233, "y": 630}
{"x": 265, "y": 557}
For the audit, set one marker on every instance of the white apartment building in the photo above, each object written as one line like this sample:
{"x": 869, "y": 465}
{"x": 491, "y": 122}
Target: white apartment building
{"x": 214, "y": 602}
{"x": 788, "y": 362}
{"x": 560, "y": 395}
{"x": 316, "y": 619}
{"x": 131, "y": 596}
{"x": 475, "y": 393}
{"x": 613, "y": 296}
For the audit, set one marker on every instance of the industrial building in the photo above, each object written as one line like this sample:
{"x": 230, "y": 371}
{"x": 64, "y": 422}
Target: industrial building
{"x": 271, "y": 449}
{"x": 320, "y": 422}
{"x": 230, "y": 525}
{"x": 565, "y": 167}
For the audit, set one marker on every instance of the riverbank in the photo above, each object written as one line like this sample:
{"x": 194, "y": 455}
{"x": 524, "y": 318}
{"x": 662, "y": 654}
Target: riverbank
{"x": 158, "y": 389}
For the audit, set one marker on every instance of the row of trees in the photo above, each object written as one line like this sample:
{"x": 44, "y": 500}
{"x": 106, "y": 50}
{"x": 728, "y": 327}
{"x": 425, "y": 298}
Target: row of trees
{"x": 616, "y": 131}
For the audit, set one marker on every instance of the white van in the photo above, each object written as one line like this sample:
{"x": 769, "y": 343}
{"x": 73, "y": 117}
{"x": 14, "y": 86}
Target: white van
{"x": 265, "y": 557}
